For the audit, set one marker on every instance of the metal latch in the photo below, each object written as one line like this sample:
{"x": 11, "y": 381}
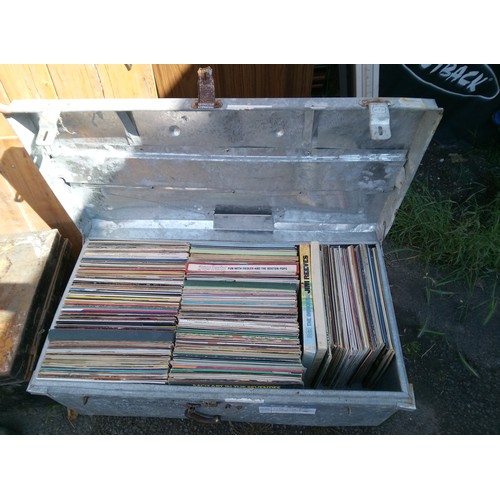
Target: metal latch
{"x": 380, "y": 119}
{"x": 47, "y": 130}
{"x": 206, "y": 90}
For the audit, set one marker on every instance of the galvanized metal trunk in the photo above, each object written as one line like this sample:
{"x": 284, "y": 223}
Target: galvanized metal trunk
{"x": 264, "y": 171}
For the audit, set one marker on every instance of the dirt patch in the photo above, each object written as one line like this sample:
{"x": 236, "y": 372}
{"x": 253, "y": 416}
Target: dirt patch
{"x": 459, "y": 171}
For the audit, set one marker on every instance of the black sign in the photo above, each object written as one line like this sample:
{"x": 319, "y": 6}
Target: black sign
{"x": 468, "y": 93}
{"x": 465, "y": 80}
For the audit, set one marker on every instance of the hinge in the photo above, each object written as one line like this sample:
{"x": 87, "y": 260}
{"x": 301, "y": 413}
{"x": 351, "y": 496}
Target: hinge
{"x": 47, "y": 127}
{"x": 380, "y": 119}
{"x": 206, "y": 90}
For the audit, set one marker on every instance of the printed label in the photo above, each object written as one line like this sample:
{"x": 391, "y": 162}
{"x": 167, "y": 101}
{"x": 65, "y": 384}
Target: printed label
{"x": 291, "y": 410}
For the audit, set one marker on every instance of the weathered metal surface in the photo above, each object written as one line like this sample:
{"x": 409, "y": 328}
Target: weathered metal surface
{"x": 308, "y": 159}
{"x": 277, "y": 406}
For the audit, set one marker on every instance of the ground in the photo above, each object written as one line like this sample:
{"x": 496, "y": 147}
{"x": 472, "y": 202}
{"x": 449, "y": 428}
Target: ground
{"x": 451, "y": 345}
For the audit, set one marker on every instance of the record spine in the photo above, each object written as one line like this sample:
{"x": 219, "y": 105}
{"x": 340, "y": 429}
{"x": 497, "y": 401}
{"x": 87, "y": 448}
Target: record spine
{"x": 307, "y": 309}
{"x": 319, "y": 311}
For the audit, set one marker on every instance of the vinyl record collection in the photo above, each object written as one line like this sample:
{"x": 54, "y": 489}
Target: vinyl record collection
{"x": 353, "y": 320}
{"x": 118, "y": 318}
{"x": 238, "y": 322}
{"x": 120, "y": 356}
{"x": 231, "y": 315}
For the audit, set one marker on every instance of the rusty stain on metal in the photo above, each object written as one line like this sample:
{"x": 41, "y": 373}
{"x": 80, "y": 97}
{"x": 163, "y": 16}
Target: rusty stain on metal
{"x": 210, "y": 404}
{"x": 375, "y": 100}
{"x": 206, "y": 90}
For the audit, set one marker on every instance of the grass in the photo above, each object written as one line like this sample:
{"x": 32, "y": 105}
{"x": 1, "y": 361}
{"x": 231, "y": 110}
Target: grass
{"x": 462, "y": 238}
{"x": 467, "y": 365}
{"x": 411, "y": 349}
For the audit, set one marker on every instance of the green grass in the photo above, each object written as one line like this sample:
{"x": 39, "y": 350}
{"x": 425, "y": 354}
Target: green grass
{"x": 467, "y": 365}
{"x": 411, "y": 349}
{"x": 463, "y": 238}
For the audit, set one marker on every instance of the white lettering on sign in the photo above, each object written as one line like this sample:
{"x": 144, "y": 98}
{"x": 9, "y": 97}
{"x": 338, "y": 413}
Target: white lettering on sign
{"x": 466, "y": 80}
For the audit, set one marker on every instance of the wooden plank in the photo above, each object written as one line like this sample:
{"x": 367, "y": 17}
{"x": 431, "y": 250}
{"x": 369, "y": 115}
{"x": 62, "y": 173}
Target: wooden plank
{"x": 119, "y": 81}
{"x": 21, "y": 173}
{"x": 298, "y": 80}
{"x": 5, "y": 129}
{"x": 27, "y": 81}
{"x": 34, "y": 268}
{"x": 263, "y": 80}
{"x": 17, "y": 215}
{"x": 176, "y": 80}
{"x": 21, "y": 267}
{"x": 4, "y": 98}
{"x": 237, "y": 80}
{"x": 76, "y": 81}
